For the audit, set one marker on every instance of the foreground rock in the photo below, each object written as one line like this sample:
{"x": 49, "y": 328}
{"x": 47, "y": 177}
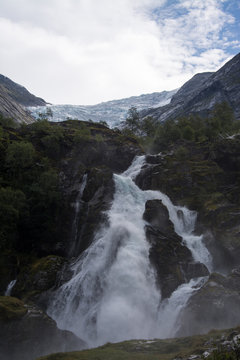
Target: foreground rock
{"x": 215, "y": 305}
{"x": 27, "y": 332}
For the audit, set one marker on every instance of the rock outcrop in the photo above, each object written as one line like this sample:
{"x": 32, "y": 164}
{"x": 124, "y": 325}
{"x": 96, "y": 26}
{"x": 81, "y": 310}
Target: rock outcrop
{"x": 27, "y": 332}
{"x": 214, "y": 306}
{"x": 172, "y": 260}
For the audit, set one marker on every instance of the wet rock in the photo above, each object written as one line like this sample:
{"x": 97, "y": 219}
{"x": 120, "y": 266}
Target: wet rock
{"x": 40, "y": 276}
{"x": 216, "y": 305}
{"x": 172, "y": 260}
{"x": 157, "y": 215}
{"x": 26, "y": 332}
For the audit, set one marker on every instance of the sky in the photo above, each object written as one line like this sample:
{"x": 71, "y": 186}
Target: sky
{"x": 89, "y": 51}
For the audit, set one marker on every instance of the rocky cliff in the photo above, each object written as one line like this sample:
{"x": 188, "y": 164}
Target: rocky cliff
{"x": 200, "y": 94}
{"x": 56, "y": 187}
{"x": 205, "y": 177}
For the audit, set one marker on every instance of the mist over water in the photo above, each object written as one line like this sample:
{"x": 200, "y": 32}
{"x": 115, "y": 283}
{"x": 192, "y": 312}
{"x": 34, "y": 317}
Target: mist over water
{"x": 112, "y": 295}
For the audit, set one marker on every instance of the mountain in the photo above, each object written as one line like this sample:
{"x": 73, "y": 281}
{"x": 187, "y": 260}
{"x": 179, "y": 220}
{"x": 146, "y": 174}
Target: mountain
{"x": 11, "y": 109}
{"x": 200, "y": 94}
{"x": 20, "y": 94}
{"x": 113, "y": 112}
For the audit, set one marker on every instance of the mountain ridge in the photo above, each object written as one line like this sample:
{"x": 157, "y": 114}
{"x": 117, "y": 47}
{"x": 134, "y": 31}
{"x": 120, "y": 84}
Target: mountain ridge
{"x": 202, "y": 92}
{"x": 13, "y": 110}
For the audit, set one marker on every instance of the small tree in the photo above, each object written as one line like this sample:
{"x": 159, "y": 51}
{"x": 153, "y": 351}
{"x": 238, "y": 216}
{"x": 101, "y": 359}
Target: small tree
{"x": 133, "y": 119}
{"x": 188, "y": 133}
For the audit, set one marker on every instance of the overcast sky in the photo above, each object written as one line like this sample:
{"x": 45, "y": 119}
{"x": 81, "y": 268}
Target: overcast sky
{"x": 88, "y": 51}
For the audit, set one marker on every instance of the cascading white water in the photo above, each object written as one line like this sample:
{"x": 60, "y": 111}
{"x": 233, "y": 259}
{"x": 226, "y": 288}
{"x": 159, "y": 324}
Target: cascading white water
{"x": 112, "y": 295}
{"x": 10, "y": 287}
{"x": 168, "y": 315}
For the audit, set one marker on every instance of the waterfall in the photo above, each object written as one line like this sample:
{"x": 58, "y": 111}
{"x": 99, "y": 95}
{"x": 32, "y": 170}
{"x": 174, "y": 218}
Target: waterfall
{"x": 112, "y": 295}
{"x": 9, "y": 288}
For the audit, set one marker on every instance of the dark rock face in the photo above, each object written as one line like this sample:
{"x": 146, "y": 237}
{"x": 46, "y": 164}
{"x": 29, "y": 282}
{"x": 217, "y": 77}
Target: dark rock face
{"x": 216, "y": 305}
{"x": 201, "y": 93}
{"x": 97, "y": 161}
{"x": 27, "y": 332}
{"x": 20, "y": 94}
{"x": 172, "y": 260}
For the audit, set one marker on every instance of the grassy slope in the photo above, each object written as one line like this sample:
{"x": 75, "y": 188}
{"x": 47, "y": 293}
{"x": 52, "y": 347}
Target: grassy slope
{"x": 149, "y": 350}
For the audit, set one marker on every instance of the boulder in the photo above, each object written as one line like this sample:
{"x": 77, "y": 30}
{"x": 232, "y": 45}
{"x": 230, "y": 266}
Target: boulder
{"x": 215, "y": 306}
{"x": 172, "y": 260}
{"x": 26, "y": 332}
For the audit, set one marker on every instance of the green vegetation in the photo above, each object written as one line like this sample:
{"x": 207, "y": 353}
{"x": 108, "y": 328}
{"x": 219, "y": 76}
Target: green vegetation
{"x": 157, "y": 137}
{"x": 30, "y": 198}
{"x": 7, "y": 122}
{"x": 220, "y": 122}
{"x": 133, "y": 119}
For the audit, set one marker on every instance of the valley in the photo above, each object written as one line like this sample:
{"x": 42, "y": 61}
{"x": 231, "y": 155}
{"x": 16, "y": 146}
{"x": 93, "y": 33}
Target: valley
{"x": 110, "y": 235}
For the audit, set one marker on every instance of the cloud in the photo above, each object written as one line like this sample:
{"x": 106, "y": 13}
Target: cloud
{"x": 87, "y": 51}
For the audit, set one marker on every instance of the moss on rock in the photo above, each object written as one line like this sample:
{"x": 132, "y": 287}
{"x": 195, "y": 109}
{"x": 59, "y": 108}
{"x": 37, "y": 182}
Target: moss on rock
{"x": 11, "y": 308}
{"x": 38, "y": 277}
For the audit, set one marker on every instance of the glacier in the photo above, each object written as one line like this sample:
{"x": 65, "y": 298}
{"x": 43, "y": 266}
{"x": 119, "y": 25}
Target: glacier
{"x": 113, "y": 112}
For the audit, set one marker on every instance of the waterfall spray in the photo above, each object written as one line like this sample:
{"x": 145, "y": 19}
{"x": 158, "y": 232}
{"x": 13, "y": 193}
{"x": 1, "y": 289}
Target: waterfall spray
{"x": 112, "y": 295}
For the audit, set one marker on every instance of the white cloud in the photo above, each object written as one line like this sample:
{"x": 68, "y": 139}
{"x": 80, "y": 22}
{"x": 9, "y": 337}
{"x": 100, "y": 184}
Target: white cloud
{"x": 87, "y": 51}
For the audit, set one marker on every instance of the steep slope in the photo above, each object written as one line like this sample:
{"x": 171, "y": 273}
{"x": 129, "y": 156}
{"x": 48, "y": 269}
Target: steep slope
{"x": 19, "y": 93}
{"x": 113, "y": 112}
{"x": 56, "y": 184}
{"x": 11, "y": 109}
{"x": 202, "y": 92}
